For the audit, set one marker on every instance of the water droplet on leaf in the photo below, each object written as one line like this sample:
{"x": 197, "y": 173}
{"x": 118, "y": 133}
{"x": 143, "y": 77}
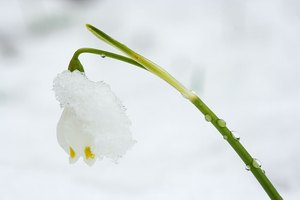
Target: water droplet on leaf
{"x": 225, "y": 137}
{"x": 221, "y": 123}
{"x": 236, "y": 135}
{"x": 103, "y": 55}
{"x": 248, "y": 167}
{"x": 256, "y": 163}
{"x": 208, "y": 118}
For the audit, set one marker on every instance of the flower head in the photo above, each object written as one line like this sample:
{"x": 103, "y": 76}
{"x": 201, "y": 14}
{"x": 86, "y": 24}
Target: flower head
{"x": 93, "y": 123}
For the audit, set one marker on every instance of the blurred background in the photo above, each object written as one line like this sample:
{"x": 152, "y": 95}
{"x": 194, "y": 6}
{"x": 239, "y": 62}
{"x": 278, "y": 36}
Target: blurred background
{"x": 241, "y": 57}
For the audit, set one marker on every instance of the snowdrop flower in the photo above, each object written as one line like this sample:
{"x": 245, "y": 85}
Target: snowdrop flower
{"x": 93, "y": 123}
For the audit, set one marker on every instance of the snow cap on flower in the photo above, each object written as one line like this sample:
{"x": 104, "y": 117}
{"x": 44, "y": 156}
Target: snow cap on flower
{"x": 93, "y": 123}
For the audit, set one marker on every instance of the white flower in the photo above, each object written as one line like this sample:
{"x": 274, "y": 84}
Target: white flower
{"x": 93, "y": 123}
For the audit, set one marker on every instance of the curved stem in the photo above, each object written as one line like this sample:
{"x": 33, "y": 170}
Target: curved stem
{"x": 210, "y": 116}
{"x": 75, "y": 63}
{"x": 148, "y": 64}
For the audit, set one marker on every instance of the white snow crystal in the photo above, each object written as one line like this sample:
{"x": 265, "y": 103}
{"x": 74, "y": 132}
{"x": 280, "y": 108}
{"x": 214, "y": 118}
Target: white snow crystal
{"x": 93, "y": 124}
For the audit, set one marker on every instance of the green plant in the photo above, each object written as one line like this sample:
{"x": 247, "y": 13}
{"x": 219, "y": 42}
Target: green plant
{"x": 138, "y": 60}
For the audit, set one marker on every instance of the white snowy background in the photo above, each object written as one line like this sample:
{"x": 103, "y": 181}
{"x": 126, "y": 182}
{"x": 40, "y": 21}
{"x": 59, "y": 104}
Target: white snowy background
{"x": 241, "y": 57}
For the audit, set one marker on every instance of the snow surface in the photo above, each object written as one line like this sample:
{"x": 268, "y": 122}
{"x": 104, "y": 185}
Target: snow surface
{"x": 241, "y": 57}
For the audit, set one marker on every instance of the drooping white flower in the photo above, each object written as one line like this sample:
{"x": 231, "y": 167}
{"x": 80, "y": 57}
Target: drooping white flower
{"x": 93, "y": 123}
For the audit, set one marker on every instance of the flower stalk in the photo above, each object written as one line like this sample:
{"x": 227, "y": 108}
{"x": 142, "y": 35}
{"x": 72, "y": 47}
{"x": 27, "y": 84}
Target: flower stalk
{"x": 142, "y": 62}
{"x": 76, "y": 65}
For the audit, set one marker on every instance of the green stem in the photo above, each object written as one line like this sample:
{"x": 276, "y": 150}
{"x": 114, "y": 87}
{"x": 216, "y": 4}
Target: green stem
{"x": 210, "y": 116}
{"x": 76, "y": 65}
{"x": 238, "y": 148}
{"x": 149, "y": 65}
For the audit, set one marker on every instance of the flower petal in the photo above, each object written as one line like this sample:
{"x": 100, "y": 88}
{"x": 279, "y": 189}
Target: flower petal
{"x": 93, "y": 117}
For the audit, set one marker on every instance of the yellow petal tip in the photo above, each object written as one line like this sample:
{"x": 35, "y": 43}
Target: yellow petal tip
{"x": 88, "y": 153}
{"x": 72, "y": 152}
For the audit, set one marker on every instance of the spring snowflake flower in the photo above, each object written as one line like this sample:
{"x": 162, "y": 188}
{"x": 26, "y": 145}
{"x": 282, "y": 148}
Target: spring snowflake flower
{"x": 93, "y": 123}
